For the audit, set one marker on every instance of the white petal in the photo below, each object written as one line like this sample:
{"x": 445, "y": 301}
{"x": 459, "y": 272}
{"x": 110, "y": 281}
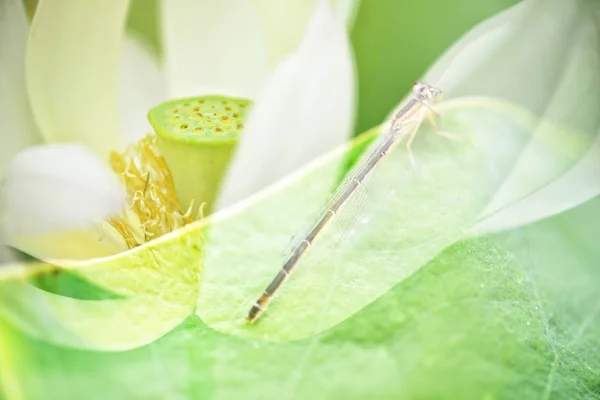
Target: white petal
{"x": 18, "y": 128}
{"x": 305, "y": 110}
{"x": 213, "y": 47}
{"x": 285, "y": 22}
{"x": 58, "y": 190}
{"x": 346, "y": 9}
{"x": 573, "y": 104}
{"x": 578, "y": 185}
{"x": 517, "y": 55}
{"x": 76, "y": 244}
{"x": 542, "y": 55}
{"x": 142, "y": 87}
{"x": 7, "y": 256}
{"x": 474, "y": 49}
{"x": 73, "y": 62}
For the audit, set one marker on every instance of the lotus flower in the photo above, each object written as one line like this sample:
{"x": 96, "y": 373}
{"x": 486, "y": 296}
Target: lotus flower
{"x": 475, "y": 277}
{"x": 80, "y": 177}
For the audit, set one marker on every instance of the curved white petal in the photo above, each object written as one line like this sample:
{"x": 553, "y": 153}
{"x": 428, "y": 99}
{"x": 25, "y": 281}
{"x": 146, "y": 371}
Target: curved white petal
{"x": 142, "y": 87}
{"x": 285, "y": 22}
{"x": 474, "y": 49}
{"x": 305, "y": 110}
{"x": 74, "y": 244}
{"x": 6, "y": 254}
{"x": 213, "y": 47}
{"x": 539, "y": 174}
{"x": 347, "y": 10}
{"x": 73, "y": 62}
{"x": 56, "y": 190}
{"x": 517, "y": 55}
{"x": 18, "y": 128}
{"x": 542, "y": 55}
{"x": 578, "y": 185}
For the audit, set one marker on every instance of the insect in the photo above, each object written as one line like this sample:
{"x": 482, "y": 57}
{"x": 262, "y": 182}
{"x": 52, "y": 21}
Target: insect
{"x": 410, "y": 114}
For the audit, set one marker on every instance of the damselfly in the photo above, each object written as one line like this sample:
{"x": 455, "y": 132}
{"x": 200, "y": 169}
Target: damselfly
{"x": 404, "y": 123}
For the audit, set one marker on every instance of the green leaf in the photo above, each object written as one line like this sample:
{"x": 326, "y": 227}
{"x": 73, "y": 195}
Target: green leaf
{"x": 69, "y": 284}
{"x": 403, "y": 220}
{"x": 153, "y": 289}
{"x": 511, "y": 316}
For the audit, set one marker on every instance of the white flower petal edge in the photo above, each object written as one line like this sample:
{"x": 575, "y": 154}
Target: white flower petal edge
{"x": 18, "y": 127}
{"x": 472, "y": 50}
{"x": 573, "y": 104}
{"x": 55, "y": 191}
{"x": 305, "y": 110}
{"x": 285, "y": 22}
{"x": 73, "y": 61}
{"x": 142, "y": 87}
{"x": 6, "y": 255}
{"x": 213, "y": 47}
{"x": 580, "y": 184}
{"x": 347, "y": 10}
{"x": 504, "y": 57}
{"x": 519, "y": 57}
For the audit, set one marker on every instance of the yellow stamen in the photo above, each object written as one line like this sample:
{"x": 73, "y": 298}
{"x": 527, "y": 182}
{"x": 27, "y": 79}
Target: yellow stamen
{"x": 153, "y": 207}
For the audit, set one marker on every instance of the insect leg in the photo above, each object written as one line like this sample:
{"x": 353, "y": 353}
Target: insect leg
{"x": 436, "y": 129}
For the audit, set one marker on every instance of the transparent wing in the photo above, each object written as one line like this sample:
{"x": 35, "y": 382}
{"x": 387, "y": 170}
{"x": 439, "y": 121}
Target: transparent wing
{"x": 343, "y": 190}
